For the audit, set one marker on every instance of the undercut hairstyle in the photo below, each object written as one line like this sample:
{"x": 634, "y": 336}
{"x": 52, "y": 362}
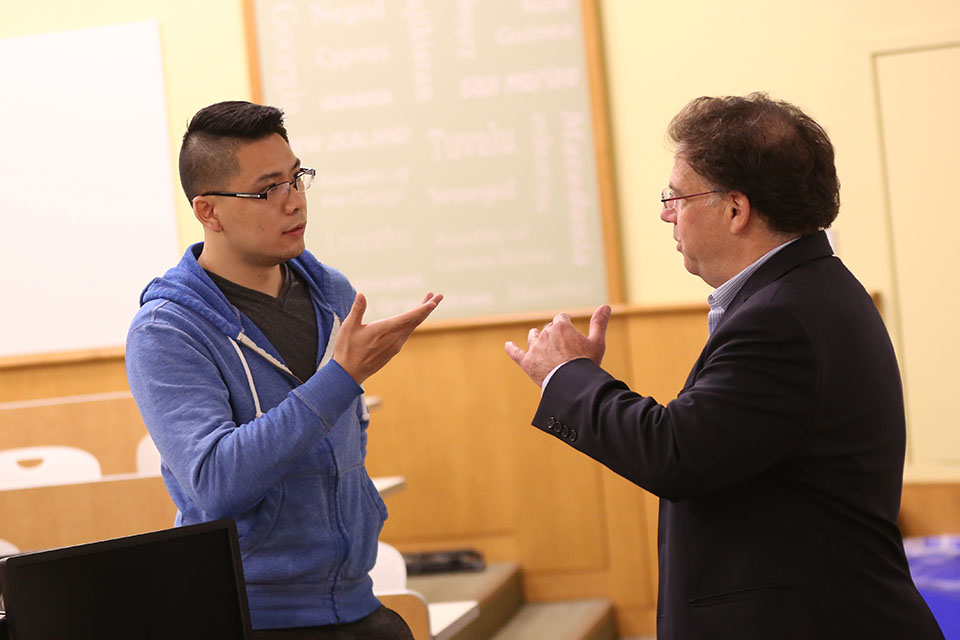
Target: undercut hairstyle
{"x": 208, "y": 155}
{"x": 771, "y": 151}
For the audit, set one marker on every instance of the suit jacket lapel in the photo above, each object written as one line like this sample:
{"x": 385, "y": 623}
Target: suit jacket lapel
{"x": 807, "y": 248}
{"x": 804, "y": 250}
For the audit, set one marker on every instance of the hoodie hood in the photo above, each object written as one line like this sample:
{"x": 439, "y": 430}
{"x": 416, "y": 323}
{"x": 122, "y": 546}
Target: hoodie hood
{"x": 188, "y": 285}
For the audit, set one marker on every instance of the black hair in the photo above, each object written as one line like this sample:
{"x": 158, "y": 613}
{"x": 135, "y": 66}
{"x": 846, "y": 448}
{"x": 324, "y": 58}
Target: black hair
{"x": 208, "y": 153}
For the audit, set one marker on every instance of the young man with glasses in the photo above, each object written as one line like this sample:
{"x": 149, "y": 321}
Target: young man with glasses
{"x": 779, "y": 465}
{"x": 246, "y": 361}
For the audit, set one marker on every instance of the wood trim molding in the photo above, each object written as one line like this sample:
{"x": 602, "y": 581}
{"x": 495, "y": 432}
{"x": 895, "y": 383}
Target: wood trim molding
{"x": 603, "y": 150}
{"x": 253, "y": 51}
{"x": 458, "y": 324}
{"x": 62, "y": 357}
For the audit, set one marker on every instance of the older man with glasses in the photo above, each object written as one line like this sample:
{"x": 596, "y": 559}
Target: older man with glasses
{"x": 779, "y": 465}
{"x": 246, "y": 361}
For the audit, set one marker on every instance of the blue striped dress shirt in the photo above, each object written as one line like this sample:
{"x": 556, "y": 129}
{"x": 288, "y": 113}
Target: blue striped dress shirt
{"x": 723, "y": 295}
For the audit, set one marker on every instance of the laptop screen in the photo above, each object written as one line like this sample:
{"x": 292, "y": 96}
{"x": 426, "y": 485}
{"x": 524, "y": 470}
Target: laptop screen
{"x": 185, "y": 582}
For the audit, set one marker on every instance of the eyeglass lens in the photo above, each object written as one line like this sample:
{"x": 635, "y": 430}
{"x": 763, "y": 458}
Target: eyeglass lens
{"x": 667, "y": 199}
{"x": 301, "y": 183}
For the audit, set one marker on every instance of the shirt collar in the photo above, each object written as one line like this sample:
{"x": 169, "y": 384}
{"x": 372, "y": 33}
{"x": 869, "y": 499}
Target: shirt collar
{"x": 723, "y": 295}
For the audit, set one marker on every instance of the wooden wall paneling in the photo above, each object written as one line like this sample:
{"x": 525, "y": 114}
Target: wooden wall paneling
{"x": 31, "y": 378}
{"x": 631, "y": 534}
{"x": 445, "y": 424}
{"x": 930, "y": 508}
{"x": 665, "y": 347}
{"x": 547, "y": 586}
{"x": 45, "y": 517}
{"x": 563, "y": 521}
{"x": 633, "y": 582}
{"x": 637, "y": 622}
{"x": 108, "y": 428}
{"x": 632, "y": 539}
{"x": 495, "y": 548}
{"x": 631, "y": 544}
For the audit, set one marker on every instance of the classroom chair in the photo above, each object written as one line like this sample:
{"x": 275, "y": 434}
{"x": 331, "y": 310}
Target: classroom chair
{"x": 46, "y": 465}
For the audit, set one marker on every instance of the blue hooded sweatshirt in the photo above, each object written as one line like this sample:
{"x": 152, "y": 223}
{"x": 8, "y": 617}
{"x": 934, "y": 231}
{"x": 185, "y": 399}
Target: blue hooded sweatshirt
{"x": 241, "y": 437}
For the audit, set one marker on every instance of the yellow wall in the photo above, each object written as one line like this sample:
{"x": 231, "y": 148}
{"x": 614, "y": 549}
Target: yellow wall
{"x": 816, "y": 54}
{"x": 921, "y": 151}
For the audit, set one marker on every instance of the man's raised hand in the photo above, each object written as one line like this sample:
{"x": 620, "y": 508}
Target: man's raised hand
{"x": 559, "y": 342}
{"x": 363, "y": 349}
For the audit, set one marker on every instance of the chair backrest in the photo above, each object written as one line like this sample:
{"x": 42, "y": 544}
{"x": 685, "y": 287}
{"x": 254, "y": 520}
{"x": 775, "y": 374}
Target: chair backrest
{"x": 148, "y": 458}
{"x": 412, "y": 607}
{"x": 7, "y": 548}
{"x": 40, "y": 466}
{"x": 389, "y": 573}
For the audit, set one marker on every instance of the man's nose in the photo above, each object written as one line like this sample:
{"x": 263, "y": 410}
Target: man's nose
{"x": 668, "y": 215}
{"x": 296, "y": 200}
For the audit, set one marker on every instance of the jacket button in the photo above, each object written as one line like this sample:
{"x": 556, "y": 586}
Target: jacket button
{"x": 565, "y": 431}
{"x": 550, "y": 422}
{"x": 573, "y": 435}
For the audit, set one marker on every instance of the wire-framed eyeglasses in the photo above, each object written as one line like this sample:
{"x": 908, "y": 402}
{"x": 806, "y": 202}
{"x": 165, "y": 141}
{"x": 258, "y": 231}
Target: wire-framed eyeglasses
{"x": 669, "y": 199}
{"x": 301, "y": 181}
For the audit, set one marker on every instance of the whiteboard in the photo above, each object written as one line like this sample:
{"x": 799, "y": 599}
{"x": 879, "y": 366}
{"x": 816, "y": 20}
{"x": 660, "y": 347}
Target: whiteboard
{"x": 454, "y": 145}
{"x": 86, "y": 192}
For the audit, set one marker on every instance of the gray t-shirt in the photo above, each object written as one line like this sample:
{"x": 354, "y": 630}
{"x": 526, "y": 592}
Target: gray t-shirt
{"x": 289, "y": 321}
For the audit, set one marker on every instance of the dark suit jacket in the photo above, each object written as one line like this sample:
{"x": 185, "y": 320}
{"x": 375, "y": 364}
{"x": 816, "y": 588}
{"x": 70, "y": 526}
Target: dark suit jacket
{"x": 779, "y": 465}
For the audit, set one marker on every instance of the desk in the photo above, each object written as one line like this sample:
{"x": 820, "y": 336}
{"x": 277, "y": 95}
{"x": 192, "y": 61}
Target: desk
{"x": 389, "y": 485}
{"x": 386, "y": 485}
{"x": 449, "y": 618}
{"x": 115, "y": 505}
{"x": 68, "y": 514}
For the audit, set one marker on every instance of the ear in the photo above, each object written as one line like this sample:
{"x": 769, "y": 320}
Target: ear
{"x": 206, "y": 213}
{"x": 740, "y": 212}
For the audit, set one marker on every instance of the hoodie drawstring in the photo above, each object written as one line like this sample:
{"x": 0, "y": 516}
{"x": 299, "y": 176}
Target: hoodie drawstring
{"x": 246, "y": 368}
{"x": 242, "y": 338}
{"x": 331, "y": 341}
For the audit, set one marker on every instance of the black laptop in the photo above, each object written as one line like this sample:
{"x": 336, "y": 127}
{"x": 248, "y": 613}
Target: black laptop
{"x": 183, "y": 583}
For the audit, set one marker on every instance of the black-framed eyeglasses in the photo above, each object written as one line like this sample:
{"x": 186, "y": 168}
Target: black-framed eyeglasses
{"x": 669, "y": 199}
{"x": 301, "y": 181}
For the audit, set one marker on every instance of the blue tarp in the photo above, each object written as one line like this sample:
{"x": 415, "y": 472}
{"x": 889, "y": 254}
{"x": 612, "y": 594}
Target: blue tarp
{"x": 935, "y": 566}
